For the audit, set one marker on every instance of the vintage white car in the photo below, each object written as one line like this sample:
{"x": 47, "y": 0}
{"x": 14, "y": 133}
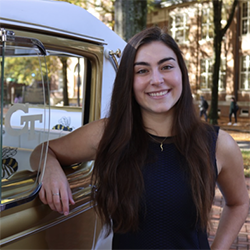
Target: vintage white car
{"x": 58, "y": 64}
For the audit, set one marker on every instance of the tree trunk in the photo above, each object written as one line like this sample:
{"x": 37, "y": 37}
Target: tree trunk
{"x": 130, "y": 17}
{"x": 213, "y": 114}
{"x": 65, "y": 81}
{"x": 218, "y": 36}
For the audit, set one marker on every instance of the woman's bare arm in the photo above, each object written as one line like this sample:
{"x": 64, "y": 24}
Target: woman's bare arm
{"x": 231, "y": 182}
{"x": 78, "y": 146}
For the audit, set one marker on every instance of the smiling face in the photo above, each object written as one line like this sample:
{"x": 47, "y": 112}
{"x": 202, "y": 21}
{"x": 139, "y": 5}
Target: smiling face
{"x": 157, "y": 78}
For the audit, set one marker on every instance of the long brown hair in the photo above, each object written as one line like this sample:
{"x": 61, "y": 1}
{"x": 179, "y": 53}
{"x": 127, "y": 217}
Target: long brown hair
{"x": 123, "y": 148}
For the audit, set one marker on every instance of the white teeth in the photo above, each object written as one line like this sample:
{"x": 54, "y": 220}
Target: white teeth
{"x": 159, "y": 93}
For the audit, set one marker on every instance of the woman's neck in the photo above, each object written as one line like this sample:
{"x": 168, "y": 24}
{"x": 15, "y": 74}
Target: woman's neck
{"x": 158, "y": 124}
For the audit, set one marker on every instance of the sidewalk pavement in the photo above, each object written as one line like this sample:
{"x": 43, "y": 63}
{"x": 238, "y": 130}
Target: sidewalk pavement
{"x": 241, "y": 130}
{"x": 241, "y": 133}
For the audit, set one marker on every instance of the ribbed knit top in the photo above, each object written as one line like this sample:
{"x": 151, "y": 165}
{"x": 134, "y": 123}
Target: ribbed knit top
{"x": 168, "y": 216}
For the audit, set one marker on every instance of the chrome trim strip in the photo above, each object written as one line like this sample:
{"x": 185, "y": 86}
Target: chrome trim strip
{"x": 21, "y": 201}
{"x": 53, "y": 31}
{"x": 9, "y": 36}
{"x": 62, "y": 218}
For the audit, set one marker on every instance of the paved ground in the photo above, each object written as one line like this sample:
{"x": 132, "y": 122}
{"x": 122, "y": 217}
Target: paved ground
{"x": 241, "y": 130}
{"x": 241, "y": 133}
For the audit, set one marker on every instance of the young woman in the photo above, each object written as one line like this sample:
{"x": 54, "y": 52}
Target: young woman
{"x": 156, "y": 162}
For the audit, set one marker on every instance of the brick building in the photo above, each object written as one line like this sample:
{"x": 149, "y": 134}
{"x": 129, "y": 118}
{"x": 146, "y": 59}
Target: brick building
{"x": 191, "y": 25}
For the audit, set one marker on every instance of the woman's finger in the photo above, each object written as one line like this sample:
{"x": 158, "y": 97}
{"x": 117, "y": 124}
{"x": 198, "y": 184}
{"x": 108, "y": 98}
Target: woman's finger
{"x": 42, "y": 196}
{"x": 71, "y": 200}
{"x": 56, "y": 197}
{"x": 50, "y": 201}
{"x": 65, "y": 199}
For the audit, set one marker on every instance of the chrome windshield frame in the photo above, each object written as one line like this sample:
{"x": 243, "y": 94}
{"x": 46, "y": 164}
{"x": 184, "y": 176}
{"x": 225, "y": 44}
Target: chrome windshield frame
{"x": 8, "y": 38}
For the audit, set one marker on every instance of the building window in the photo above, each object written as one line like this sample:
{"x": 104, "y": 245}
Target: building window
{"x": 222, "y": 74}
{"x": 245, "y": 73}
{"x": 207, "y": 26}
{"x": 207, "y": 74}
{"x": 179, "y": 28}
{"x": 245, "y": 18}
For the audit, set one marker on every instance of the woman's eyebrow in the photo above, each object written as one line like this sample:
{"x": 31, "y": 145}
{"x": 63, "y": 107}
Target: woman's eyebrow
{"x": 160, "y": 62}
{"x": 166, "y": 59}
{"x": 141, "y": 63}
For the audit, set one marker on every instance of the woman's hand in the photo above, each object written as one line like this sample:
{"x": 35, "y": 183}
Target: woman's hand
{"x": 55, "y": 190}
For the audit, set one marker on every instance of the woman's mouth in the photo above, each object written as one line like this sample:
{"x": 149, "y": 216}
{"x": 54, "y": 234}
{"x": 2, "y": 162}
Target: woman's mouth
{"x": 159, "y": 93}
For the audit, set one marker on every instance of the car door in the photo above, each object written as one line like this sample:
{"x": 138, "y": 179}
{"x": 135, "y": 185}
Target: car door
{"x": 34, "y": 93}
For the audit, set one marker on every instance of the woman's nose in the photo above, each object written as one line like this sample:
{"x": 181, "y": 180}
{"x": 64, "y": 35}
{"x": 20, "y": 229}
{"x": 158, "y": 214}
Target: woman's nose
{"x": 156, "y": 77}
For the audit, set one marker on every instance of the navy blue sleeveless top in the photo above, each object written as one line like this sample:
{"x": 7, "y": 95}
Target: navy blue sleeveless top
{"x": 168, "y": 214}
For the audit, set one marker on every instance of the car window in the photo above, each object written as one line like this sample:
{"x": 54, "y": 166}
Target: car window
{"x": 63, "y": 90}
{"x": 22, "y": 59}
{"x": 67, "y": 89}
{"x": 43, "y": 96}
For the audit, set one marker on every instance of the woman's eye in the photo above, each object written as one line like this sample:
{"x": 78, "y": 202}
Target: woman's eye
{"x": 141, "y": 71}
{"x": 167, "y": 67}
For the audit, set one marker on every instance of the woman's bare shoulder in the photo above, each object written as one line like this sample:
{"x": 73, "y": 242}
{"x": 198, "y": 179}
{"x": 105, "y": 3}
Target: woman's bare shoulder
{"x": 225, "y": 141}
{"x": 231, "y": 179}
{"x": 227, "y": 151}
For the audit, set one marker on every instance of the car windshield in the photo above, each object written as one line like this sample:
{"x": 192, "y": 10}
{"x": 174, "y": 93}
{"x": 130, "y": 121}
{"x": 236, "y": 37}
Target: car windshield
{"x": 45, "y": 94}
{"x": 23, "y": 125}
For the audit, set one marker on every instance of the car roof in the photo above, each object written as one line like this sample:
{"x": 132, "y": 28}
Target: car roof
{"x": 57, "y": 17}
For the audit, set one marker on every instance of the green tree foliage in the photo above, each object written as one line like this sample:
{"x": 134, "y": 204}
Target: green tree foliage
{"x": 27, "y": 69}
{"x": 21, "y": 69}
